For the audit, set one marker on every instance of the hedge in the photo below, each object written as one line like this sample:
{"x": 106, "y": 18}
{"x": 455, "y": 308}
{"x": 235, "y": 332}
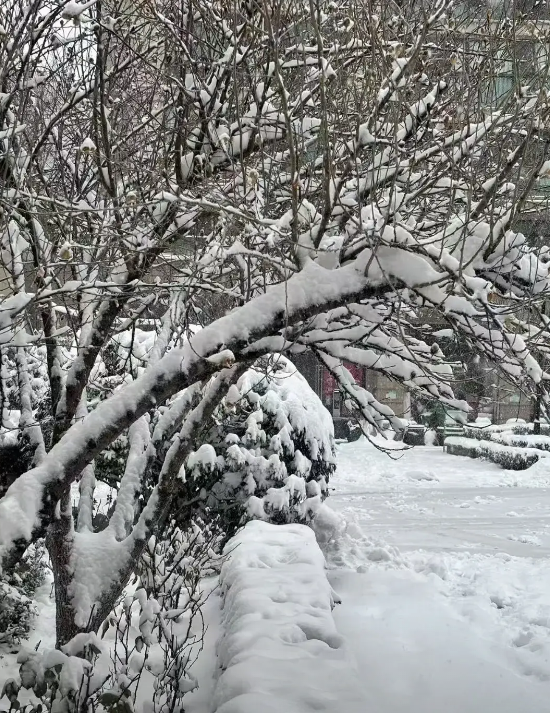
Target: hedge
{"x": 509, "y": 457}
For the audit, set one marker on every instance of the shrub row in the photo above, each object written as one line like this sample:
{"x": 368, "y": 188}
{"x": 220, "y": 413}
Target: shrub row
{"x": 509, "y": 457}
{"x": 495, "y": 431}
{"x": 279, "y": 649}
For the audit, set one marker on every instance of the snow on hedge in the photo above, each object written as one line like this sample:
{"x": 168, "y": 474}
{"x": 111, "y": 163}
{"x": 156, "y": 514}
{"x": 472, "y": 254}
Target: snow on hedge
{"x": 513, "y": 434}
{"x": 527, "y": 440}
{"x": 279, "y": 649}
{"x": 270, "y": 453}
{"x": 512, "y": 445}
{"x": 509, "y": 457}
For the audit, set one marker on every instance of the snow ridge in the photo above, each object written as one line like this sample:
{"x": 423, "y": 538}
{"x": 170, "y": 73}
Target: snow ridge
{"x": 279, "y": 649}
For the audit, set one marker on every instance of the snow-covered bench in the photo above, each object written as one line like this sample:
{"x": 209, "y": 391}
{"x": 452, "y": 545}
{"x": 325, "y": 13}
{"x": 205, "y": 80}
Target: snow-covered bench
{"x": 279, "y": 649}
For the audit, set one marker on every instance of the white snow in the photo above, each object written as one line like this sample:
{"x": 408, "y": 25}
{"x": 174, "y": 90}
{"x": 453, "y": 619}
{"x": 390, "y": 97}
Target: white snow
{"x": 88, "y": 145}
{"x": 73, "y": 9}
{"x": 279, "y": 650}
{"x": 441, "y": 565}
{"x": 444, "y": 583}
{"x": 96, "y": 560}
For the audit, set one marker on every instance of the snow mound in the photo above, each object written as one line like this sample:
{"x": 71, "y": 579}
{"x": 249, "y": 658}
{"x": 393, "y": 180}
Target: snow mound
{"x": 345, "y": 545}
{"x": 279, "y": 649}
{"x": 536, "y": 476}
{"x": 420, "y": 475}
{"x": 402, "y": 478}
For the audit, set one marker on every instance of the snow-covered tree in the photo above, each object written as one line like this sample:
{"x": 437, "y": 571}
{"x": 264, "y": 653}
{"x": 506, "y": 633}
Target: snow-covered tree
{"x": 268, "y": 454}
{"x": 292, "y": 176}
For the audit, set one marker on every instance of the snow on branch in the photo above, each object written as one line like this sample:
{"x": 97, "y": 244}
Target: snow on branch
{"x": 324, "y": 178}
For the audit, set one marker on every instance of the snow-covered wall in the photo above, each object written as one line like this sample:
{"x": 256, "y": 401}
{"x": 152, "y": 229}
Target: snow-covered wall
{"x": 279, "y": 649}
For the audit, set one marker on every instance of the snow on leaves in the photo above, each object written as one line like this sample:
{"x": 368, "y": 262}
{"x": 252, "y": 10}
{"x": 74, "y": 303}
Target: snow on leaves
{"x": 271, "y": 454}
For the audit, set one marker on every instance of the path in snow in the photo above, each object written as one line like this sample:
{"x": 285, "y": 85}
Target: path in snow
{"x": 444, "y": 572}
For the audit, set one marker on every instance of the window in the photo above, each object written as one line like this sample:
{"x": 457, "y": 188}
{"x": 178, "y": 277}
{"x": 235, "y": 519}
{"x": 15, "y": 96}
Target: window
{"x": 499, "y": 82}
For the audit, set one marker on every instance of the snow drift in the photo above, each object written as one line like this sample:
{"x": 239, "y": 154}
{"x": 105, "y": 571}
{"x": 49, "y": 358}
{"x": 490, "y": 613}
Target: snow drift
{"x": 279, "y": 649}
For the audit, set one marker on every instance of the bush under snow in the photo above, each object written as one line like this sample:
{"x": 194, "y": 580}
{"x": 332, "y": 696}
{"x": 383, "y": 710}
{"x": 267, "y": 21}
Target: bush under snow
{"x": 279, "y": 649}
{"x": 509, "y": 457}
{"x": 17, "y": 589}
{"x": 270, "y": 453}
{"x": 512, "y": 445}
{"x": 142, "y": 657}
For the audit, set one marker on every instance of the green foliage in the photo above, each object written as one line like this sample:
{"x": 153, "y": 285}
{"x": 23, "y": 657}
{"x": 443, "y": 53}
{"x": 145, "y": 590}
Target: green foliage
{"x": 435, "y": 416}
{"x": 268, "y": 454}
{"x": 17, "y": 589}
{"x": 110, "y": 464}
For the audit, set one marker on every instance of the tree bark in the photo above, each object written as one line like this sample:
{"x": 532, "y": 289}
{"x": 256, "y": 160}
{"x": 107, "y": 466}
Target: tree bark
{"x": 59, "y": 541}
{"x": 537, "y": 410}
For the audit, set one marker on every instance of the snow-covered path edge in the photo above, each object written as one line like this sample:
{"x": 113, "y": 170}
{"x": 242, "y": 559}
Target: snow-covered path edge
{"x": 279, "y": 649}
{"x": 445, "y": 585}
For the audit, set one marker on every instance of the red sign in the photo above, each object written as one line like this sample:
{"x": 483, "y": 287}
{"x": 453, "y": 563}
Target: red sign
{"x": 329, "y": 382}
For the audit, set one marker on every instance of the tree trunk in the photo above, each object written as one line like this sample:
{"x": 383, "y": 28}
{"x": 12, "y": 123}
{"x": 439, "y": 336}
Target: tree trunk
{"x": 537, "y": 410}
{"x": 59, "y": 541}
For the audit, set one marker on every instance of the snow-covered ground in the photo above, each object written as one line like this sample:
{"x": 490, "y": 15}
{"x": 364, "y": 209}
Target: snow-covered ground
{"x": 443, "y": 568}
{"x": 444, "y": 572}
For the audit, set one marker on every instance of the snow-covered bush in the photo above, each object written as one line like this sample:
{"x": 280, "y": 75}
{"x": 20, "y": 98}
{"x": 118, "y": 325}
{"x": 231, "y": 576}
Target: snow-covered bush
{"x": 267, "y": 452}
{"x": 110, "y": 465}
{"x": 17, "y": 446}
{"x": 486, "y": 432}
{"x": 17, "y": 590}
{"x": 279, "y": 649}
{"x": 145, "y": 647}
{"x": 270, "y": 451}
{"x": 520, "y": 434}
{"x": 508, "y": 457}
{"x": 513, "y": 445}
{"x": 16, "y": 613}
{"x": 525, "y": 440}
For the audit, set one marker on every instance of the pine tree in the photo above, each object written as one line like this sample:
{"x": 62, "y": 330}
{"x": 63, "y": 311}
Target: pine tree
{"x": 269, "y": 453}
